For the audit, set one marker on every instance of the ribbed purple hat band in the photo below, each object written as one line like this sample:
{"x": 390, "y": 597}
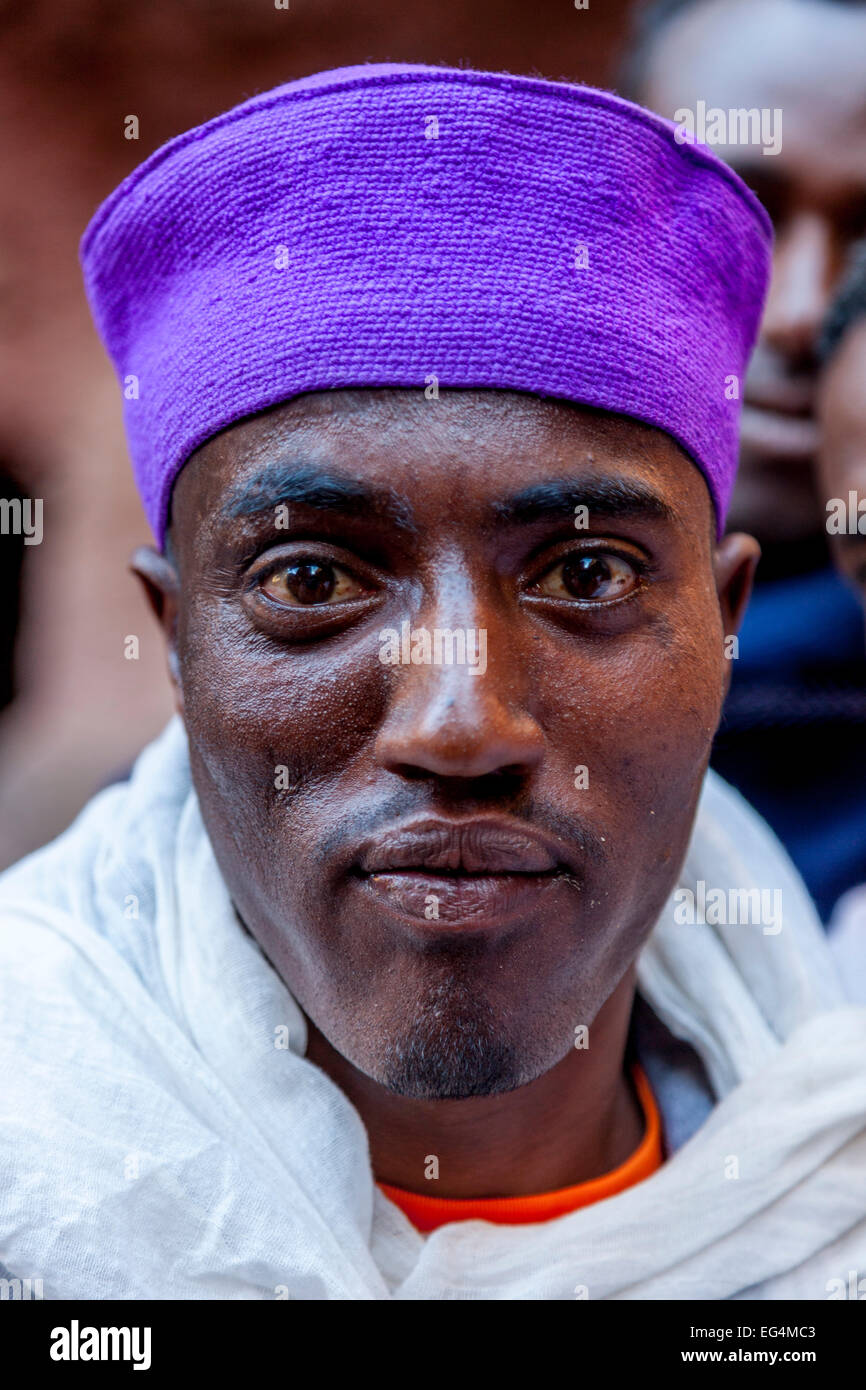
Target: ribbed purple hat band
{"x": 383, "y": 224}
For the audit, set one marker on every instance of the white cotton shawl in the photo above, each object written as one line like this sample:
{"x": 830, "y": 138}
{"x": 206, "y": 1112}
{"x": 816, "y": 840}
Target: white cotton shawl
{"x": 156, "y": 1143}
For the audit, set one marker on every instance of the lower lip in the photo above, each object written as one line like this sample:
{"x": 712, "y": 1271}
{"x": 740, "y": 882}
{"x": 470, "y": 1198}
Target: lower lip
{"x": 777, "y": 435}
{"x": 469, "y": 902}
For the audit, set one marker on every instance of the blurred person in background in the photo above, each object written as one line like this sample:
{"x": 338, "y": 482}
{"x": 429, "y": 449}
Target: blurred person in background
{"x": 842, "y": 415}
{"x": 794, "y": 735}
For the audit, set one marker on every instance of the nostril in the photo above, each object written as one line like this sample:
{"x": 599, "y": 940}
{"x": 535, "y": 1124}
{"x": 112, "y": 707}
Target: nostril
{"x": 485, "y": 788}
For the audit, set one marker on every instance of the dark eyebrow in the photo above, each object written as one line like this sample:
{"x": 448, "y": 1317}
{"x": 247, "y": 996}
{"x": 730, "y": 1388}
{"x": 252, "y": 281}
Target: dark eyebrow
{"x": 618, "y": 498}
{"x": 302, "y": 481}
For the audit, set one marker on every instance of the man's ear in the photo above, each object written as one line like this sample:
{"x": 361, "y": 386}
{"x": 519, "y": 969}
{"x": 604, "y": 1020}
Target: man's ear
{"x": 735, "y": 562}
{"x": 161, "y": 585}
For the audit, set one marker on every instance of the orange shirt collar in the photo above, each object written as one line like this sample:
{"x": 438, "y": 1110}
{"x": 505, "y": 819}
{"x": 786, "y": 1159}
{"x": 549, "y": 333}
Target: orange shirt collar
{"x": 428, "y": 1213}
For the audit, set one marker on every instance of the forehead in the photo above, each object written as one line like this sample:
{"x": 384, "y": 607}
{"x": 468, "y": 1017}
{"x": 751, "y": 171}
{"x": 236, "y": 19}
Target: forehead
{"x": 442, "y": 462}
{"x": 805, "y": 57}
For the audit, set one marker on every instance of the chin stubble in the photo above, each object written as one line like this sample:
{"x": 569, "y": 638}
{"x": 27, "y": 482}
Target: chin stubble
{"x": 454, "y": 1049}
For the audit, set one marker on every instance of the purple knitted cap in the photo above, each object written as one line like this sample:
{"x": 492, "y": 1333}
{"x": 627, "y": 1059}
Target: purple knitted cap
{"x": 382, "y": 224}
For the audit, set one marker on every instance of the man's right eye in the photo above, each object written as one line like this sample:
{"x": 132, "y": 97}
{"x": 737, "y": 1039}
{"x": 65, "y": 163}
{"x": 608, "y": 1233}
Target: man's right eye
{"x": 308, "y": 583}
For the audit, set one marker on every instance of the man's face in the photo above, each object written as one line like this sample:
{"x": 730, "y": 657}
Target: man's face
{"x": 451, "y": 867}
{"x": 842, "y": 411}
{"x": 808, "y": 60}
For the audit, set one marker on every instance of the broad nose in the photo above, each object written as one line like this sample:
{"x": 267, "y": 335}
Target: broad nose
{"x": 461, "y": 708}
{"x": 803, "y": 269}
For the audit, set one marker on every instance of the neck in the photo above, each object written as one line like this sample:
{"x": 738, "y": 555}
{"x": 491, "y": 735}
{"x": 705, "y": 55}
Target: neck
{"x": 577, "y": 1121}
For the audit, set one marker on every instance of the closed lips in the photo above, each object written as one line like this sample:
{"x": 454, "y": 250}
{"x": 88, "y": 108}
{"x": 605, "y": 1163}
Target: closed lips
{"x": 473, "y": 847}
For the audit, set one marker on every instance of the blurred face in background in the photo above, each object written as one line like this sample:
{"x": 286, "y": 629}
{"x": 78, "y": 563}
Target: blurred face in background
{"x": 808, "y": 59}
{"x": 842, "y": 412}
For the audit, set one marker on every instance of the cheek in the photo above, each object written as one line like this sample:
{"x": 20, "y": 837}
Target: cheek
{"x": 654, "y": 696}
{"x": 285, "y": 724}
{"x": 639, "y": 715}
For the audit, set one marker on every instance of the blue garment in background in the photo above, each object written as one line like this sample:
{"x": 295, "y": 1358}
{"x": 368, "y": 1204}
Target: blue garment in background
{"x": 793, "y": 734}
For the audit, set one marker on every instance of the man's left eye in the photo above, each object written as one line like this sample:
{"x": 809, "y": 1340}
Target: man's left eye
{"x": 305, "y": 583}
{"x": 589, "y": 577}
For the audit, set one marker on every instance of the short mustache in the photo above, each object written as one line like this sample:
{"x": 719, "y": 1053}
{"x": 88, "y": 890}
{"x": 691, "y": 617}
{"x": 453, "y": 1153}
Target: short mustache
{"x": 469, "y": 847}
{"x": 579, "y": 840}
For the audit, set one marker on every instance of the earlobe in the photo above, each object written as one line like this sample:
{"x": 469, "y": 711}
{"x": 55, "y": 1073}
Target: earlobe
{"x": 161, "y": 585}
{"x": 736, "y": 560}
